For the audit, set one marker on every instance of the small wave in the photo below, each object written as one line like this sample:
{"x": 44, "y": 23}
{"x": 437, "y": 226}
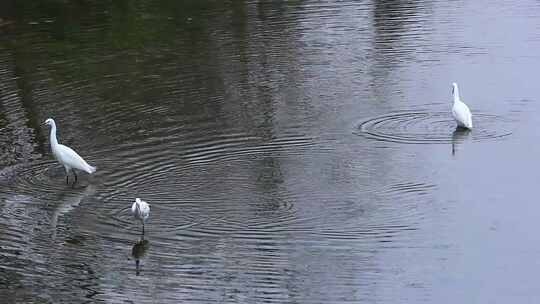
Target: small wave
{"x": 422, "y": 127}
{"x": 234, "y": 150}
{"x": 38, "y": 178}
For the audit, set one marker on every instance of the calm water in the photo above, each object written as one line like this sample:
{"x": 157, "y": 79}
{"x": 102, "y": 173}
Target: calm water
{"x": 292, "y": 152}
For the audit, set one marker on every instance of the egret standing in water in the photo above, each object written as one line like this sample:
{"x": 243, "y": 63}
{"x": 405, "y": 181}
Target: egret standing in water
{"x": 141, "y": 211}
{"x": 460, "y": 110}
{"x": 66, "y": 156}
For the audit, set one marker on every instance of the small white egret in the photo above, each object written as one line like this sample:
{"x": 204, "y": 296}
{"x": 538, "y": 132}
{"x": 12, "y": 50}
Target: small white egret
{"x": 141, "y": 211}
{"x": 66, "y": 156}
{"x": 460, "y": 110}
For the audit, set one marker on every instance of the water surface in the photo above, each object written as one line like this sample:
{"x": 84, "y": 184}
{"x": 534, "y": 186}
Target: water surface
{"x": 291, "y": 151}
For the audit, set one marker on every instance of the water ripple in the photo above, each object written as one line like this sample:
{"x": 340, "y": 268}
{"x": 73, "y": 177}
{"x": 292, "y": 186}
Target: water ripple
{"x": 423, "y": 127}
{"x": 380, "y": 215}
{"x": 39, "y": 178}
{"x": 223, "y": 151}
{"x": 150, "y": 162}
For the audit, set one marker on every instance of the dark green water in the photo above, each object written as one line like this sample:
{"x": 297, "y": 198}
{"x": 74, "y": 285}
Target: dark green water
{"x": 291, "y": 151}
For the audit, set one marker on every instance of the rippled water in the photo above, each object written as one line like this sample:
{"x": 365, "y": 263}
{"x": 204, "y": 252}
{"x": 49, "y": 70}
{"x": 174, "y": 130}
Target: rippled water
{"x": 428, "y": 127}
{"x": 291, "y": 152}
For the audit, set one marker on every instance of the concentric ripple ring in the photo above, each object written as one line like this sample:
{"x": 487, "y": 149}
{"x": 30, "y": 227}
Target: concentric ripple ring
{"x": 418, "y": 127}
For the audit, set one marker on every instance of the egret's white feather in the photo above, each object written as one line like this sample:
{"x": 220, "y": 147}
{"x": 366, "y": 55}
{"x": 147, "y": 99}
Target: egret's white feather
{"x": 460, "y": 110}
{"x": 70, "y": 158}
{"x": 65, "y": 155}
{"x": 140, "y": 210}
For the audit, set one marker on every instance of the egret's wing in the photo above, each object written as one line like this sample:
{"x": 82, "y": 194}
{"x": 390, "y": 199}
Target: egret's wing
{"x": 462, "y": 113}
{"x": 145, "y": 209}
{"x": 71, "y": 158}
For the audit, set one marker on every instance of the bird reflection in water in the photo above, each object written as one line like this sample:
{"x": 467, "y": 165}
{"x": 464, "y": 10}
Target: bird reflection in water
{"x": 138, "y": 251}
{"x": 458, "y": 136}
{"x": 68, "y": 202}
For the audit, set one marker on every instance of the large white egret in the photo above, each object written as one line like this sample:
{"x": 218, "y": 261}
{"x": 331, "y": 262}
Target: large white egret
{"x": 66, "y": 156}
{"x": 460, "y": 110}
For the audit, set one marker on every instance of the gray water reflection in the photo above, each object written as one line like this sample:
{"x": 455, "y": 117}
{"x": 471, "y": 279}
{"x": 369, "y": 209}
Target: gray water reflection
{"x": 67, "y": 203}
{"x": 138, "y": 252}
{"x": 292, "y": 152}
{"x": 458, "y": 137}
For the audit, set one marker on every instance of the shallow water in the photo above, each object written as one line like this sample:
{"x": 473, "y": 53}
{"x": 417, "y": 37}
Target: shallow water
{"x": 291, "y": 152}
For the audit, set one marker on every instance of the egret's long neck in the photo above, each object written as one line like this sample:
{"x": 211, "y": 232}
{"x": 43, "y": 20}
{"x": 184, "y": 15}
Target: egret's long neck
{"x": 456, "y": 94}
{"x": 54, "y": 141}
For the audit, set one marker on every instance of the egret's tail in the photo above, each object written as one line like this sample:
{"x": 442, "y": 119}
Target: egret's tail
{"x": 90, "y": 169}
{"x": 469, "y": 123}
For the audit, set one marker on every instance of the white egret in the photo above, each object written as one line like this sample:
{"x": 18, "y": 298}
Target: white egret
{"x": 66, "y": 156}
{"x": 460, "y": 110}
{"x": 141, "y": 211}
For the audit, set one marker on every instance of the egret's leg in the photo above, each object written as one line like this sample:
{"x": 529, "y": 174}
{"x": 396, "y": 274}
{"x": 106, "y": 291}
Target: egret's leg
{"x": 143, "y": 228}
{"x": 67, "y": 174}
{"x": 74, "y": 173}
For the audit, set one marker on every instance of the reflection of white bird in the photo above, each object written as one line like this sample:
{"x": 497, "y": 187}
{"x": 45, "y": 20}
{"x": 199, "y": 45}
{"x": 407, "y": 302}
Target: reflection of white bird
{"x": 459, "y": 135}
{"x": 66, "y": 156}
{"x": 460, "y": 110}
{"x": 141, "y": 211}
{"x": 68, "y": 202}
{"x": 138, "y": 251}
